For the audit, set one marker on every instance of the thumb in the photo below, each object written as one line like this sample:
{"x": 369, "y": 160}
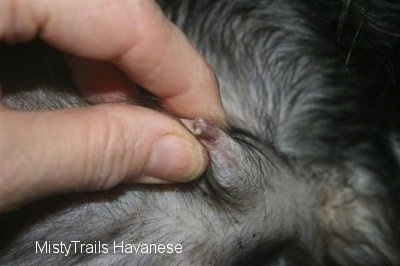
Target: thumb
{"x": 94, "y": 148}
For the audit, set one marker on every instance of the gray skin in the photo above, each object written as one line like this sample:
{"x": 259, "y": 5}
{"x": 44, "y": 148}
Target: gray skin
{"x": 296, "y": 180}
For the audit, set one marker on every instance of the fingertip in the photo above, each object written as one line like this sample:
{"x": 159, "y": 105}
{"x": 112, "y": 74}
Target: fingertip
{"x": 177, "y": 159}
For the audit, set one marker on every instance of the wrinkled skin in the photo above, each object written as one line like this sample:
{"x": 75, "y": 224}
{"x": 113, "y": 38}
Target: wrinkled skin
{"x": 305, "y": 175}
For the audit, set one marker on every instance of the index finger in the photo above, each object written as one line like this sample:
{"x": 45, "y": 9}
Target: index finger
{"x": 135, "y": 35}
{"x": 173, "y": 70}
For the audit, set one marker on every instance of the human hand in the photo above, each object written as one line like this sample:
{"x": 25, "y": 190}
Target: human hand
{"x": 95, "y": 148}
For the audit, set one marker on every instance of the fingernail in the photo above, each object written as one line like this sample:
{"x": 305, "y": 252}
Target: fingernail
{"x": 176, "y": 159}
{"x": 151, "y": 180}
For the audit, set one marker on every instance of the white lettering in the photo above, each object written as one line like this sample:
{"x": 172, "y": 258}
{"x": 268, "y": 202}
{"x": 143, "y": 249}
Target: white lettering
{"x": 43, "y": 248}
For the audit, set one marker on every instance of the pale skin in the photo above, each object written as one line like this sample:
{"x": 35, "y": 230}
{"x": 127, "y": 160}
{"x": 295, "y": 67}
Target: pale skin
{"x": 95, "y": 148}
